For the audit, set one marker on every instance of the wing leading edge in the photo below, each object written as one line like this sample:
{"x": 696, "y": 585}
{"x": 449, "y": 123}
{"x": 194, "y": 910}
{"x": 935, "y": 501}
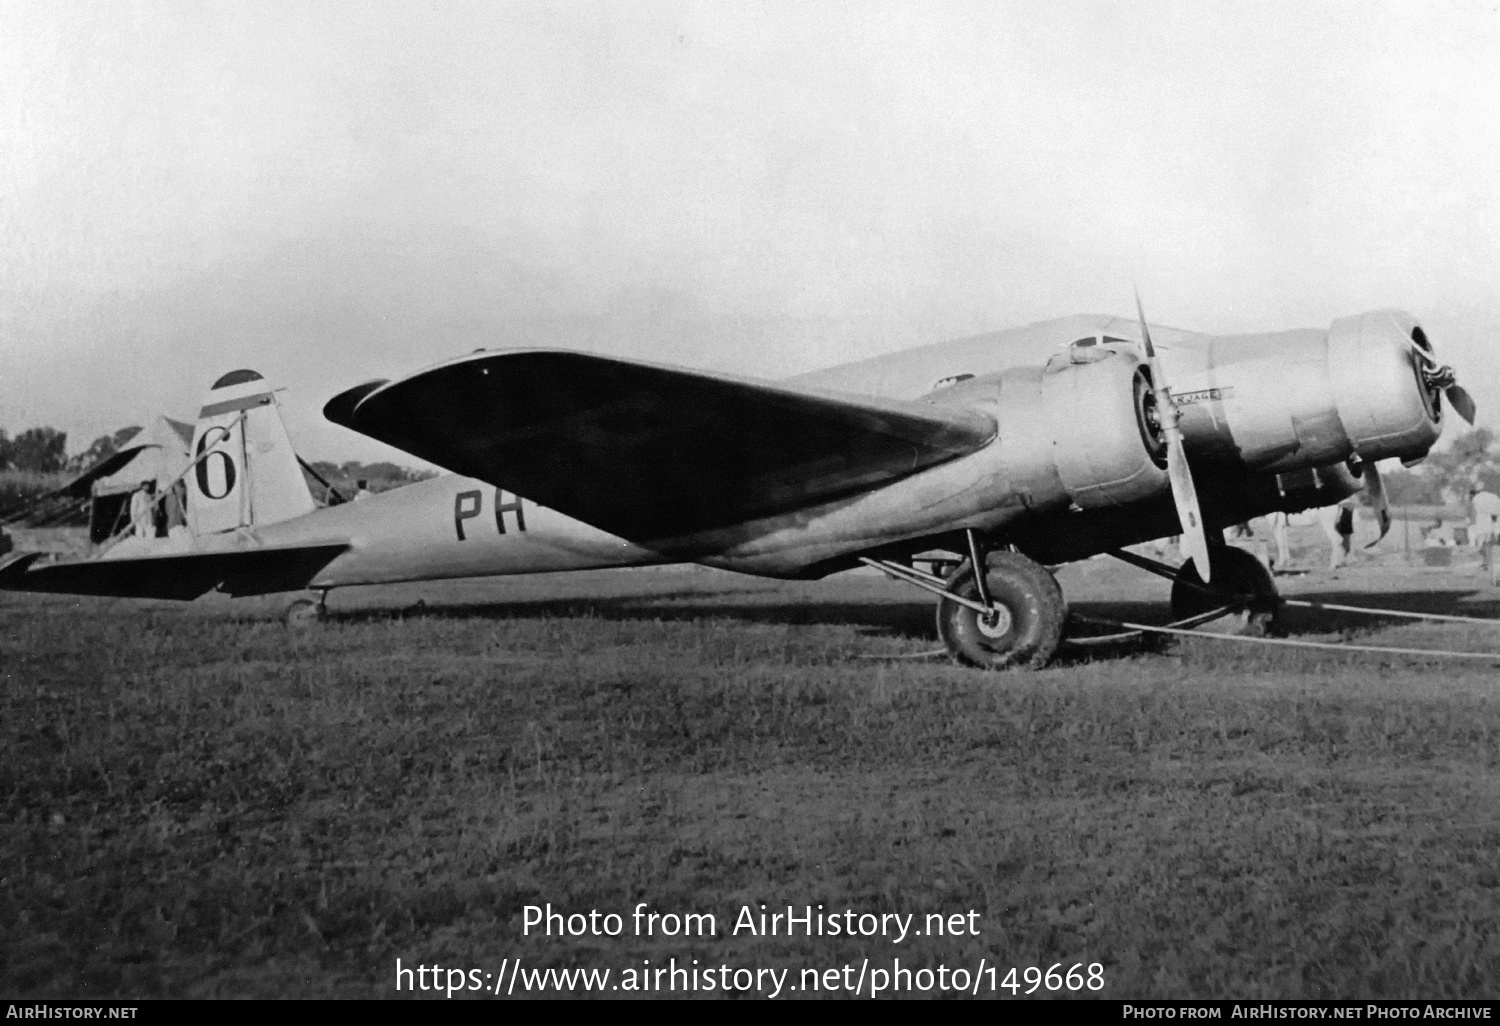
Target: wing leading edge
{"x": 649, "y": 452}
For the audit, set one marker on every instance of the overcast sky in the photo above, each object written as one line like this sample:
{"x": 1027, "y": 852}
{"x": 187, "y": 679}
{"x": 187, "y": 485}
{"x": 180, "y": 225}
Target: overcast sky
{"x": 329, "y": 192}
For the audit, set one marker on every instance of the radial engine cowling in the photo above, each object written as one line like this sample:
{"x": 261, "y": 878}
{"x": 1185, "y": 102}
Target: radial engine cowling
{"x": 1294, "y": 400}
{"x": 1081, "y": 431}
{"x": 1384, "y": 404}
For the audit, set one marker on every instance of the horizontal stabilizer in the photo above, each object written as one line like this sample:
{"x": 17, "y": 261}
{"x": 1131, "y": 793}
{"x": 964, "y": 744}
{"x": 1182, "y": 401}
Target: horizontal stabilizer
{"x": 649, "y": 452}
{"x": 180, "y": 576}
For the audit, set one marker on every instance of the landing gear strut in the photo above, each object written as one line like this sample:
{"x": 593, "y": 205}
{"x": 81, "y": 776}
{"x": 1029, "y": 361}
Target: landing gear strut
{"x": 1239, "y": 584}
{"x": 1012, "y": 615}
{"x": 1023, "y": 624}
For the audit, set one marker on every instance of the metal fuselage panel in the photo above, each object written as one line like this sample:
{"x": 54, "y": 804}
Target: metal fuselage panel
{"x": 1067, "y": 470}
{"x": 1273, "y": 401}
{"x": 1300, "y": 399}
{"x": 1068, "y": 437}
{"x": 451, "y": 527}
{"x": 1256, "y": 411}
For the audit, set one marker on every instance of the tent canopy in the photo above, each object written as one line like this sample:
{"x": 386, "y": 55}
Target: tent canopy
{"x": 160, "y": 453}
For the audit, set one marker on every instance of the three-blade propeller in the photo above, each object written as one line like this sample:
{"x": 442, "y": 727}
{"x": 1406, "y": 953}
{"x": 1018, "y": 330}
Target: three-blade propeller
{"x": 1442, "y": 376}
{"x": 1184, "y": 494}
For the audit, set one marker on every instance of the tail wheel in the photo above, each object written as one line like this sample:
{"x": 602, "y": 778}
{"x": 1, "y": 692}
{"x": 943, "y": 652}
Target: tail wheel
{"x": 1235, "y": 572}
{"x": 1027, "y": 623}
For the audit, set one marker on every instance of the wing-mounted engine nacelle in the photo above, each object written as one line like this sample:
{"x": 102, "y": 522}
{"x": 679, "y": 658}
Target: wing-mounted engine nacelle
{"x": 1081, "y": 431}
{"x": 1301, "y": 399}
{"x": 1107, "y": 443}
{"x": 1385, "y": 403}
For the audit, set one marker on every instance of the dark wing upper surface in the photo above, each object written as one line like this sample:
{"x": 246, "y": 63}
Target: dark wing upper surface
{"x": 650, "y": 452}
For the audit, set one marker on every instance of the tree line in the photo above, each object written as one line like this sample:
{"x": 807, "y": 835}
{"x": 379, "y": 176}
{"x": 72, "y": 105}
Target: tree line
{"x": 44, "y": 450}
{"x": 1446, "y": 476}
{"x": 40, "y": 450}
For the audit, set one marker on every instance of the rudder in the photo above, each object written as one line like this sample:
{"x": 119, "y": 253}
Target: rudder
{"x": 245, "y": 471}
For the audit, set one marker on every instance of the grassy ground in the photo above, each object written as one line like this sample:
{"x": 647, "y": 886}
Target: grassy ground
{"x": 196, "y": 801}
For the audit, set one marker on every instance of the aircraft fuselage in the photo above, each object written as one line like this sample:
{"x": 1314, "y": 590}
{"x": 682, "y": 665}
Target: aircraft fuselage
{"x": 450, "y": 527}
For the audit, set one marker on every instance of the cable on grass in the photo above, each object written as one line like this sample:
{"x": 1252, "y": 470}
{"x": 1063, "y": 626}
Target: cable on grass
{"x": 1443, "y": 617}
{"x": 1433, "y": 653}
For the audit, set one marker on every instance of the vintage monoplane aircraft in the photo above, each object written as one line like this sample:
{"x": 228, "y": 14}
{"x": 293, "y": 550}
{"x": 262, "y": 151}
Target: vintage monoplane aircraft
{"x": 252, "y": 526}
{"x": 1013, "y": 451}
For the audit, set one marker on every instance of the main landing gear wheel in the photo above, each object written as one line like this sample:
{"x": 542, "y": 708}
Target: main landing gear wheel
{"x": 1235, "y": 572}
{"x": 1025, "y": 626}
{"x": 306, "y": 612}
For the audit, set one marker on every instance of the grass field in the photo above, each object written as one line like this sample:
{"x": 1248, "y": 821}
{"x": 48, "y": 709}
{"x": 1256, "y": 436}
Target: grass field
{"x": 196, "y": 801}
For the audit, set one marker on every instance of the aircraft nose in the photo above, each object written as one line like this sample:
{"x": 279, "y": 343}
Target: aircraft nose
{"x": 1378, "y": 365}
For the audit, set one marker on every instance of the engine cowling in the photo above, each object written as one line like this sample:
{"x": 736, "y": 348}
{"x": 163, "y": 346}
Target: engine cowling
{"x": 1079, "y": 431}
{"x": 1100, "y": 413}
{"x": 1300, "y": 399}
{"x": 1384, "y": 403}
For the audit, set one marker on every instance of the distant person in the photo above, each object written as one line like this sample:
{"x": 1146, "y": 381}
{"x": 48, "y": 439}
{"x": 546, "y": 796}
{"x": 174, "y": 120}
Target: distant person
{"x": 1486, "y": 507}
{"x": 1338, "y": 526}
{"x": 1279, "y": 525}
{"x": 159, "y": 516}
{"x": 175, "y": 505}
{"x": 142, "y": 510}
{"x": 362, "y": 490}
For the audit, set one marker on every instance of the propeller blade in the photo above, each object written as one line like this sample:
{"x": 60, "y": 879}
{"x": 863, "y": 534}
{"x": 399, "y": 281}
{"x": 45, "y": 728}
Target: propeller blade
{"x": 1140, "y": 314}
{"x": 1379, "y": 502}
{"x": 1461, "y": 401}
{"x": 1184, "y": 493}
{"x": 1442, "y": 376}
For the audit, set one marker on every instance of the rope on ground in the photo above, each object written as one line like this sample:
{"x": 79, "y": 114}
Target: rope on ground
{"x": 1332, "y": 646}
{"x": 930, "y": 654}
{"x": 1186, "y": 622}
{"x": 1191, "y": 621}
{"x": 1444, "y": 617}
{"x": 1174, "y": 574}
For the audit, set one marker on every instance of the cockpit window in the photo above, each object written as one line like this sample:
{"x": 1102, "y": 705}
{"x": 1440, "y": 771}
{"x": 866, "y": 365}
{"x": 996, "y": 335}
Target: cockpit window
{"x": 952, "y": 379}
{"x": 1090, "y": 341}
{"x": 1108, "y": 339}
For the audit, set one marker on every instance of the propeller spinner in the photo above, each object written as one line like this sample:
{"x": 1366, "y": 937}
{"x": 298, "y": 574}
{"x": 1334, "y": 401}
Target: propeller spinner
{"x": 1184, "y": 494}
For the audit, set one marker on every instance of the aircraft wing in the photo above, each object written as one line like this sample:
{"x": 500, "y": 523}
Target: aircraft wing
{"x": 182, "y": 576}
{"x": 649, "y": 452}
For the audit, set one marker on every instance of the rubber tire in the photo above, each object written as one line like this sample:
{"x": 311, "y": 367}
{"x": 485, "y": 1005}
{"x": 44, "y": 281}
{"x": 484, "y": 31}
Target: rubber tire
{"x": 1031, "y": 595}
{"x": 305, "y": 612}
{"x": 1237, "y": 571}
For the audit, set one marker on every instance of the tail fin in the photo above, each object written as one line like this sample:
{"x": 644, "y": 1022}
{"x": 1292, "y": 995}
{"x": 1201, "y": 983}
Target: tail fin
{"x": 245, "y": 471}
